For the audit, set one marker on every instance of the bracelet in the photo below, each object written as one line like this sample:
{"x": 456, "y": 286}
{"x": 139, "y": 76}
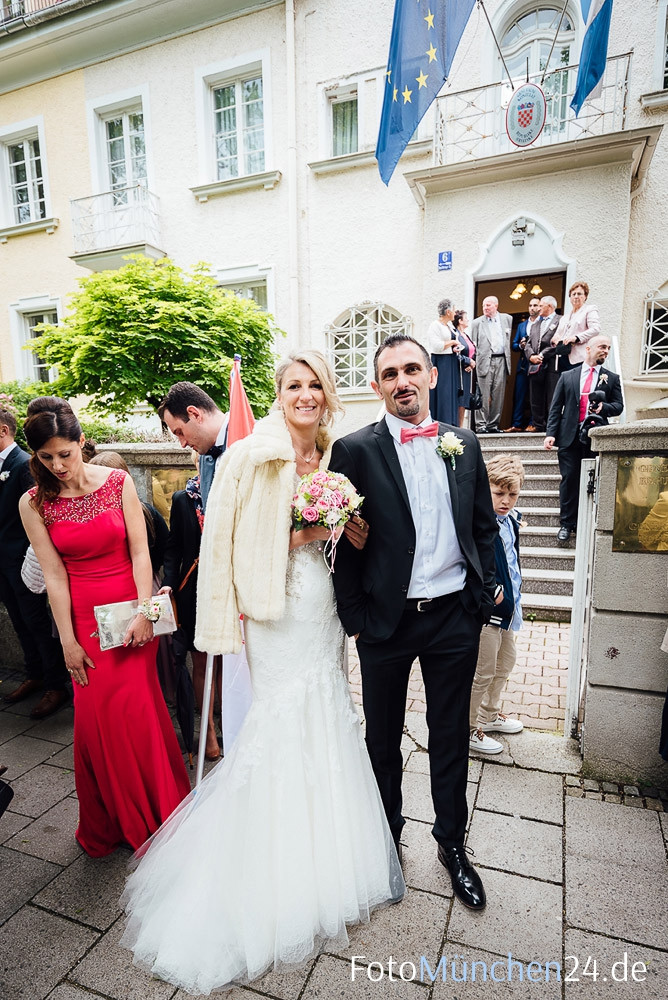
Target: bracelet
{"x": 150, "y": 610}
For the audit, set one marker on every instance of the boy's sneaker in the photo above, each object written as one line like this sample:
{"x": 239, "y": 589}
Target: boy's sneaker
{"x": 503, "y": 724}
{"x": 483, "y": 744}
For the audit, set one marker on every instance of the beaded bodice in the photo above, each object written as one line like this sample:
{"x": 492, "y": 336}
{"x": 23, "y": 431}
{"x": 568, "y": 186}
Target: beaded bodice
{"x": 80, "y": 510}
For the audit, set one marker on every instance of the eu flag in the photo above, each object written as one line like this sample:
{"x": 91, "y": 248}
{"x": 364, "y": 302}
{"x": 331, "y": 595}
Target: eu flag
{"x": 425, "y": 36}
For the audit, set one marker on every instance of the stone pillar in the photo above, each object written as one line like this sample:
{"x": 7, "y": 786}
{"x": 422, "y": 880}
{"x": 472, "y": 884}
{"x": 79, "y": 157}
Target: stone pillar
{"x": 627, "y": 672}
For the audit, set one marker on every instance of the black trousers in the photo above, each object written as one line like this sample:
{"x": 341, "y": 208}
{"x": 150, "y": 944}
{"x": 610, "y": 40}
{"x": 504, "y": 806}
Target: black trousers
{"x": 541, "y": 390}
{"x": 570, "y": 461}
{"x": 446, "y": 642}
{"x": 30, "y": 617}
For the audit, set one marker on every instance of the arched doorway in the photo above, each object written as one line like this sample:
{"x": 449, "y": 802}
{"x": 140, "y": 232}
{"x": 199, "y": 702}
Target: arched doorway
{"x": 522, "y": 256}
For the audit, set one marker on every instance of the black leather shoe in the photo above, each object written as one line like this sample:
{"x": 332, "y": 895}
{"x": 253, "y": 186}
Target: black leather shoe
{"x": 563, "y": 534}
{"x": 466, "y": 883}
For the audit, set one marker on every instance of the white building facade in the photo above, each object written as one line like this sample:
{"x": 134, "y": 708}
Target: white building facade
{"x": 242, "y": 134}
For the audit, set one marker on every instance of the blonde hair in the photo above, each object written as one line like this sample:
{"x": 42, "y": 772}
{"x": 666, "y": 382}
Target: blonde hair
{"x": 506, "y": 471}
{"x": 110, "y": 459}
{"x": 321, "y": 368}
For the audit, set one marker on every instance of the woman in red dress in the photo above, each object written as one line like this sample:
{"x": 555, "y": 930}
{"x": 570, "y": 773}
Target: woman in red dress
{"x": 88, "y": 530}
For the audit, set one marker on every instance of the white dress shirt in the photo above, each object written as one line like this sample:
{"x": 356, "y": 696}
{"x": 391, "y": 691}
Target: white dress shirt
{"x": 495, "y": 334}
{"x": 584, "y": 374}
{"x": 6, "y": 451}
{"x": 438, "y": 566}
{"x": 222, "y": 434}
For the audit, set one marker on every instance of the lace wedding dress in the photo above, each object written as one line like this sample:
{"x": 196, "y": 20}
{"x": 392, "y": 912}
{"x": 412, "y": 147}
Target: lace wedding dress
{"x": 286, "y": 840}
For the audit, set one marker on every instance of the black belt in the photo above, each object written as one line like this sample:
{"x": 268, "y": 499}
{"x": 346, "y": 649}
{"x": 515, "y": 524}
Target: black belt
{"x": 427, "y": 603}
{"x": 498, "y": 355}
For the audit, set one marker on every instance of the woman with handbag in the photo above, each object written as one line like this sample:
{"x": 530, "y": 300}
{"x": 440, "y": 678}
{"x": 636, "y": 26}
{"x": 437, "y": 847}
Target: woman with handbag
{"x": 467, "y": 385}
{"x": 88, "y": 531}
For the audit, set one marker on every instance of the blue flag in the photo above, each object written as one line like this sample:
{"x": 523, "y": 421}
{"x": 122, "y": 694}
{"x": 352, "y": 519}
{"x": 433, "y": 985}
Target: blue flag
{"x": 594, "y": 51}
{"x": 425, "y": 36}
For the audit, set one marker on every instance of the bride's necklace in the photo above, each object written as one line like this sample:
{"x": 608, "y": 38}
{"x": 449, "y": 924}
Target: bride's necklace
{"x": 303, "y": 457}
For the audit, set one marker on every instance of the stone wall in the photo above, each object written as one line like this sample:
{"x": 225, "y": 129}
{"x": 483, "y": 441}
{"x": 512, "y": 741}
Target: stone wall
{"x": 627, "y": 672}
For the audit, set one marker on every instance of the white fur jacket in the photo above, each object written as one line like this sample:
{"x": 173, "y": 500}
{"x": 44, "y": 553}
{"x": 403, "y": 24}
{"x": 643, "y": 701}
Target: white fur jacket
{"x": 246, "y": 538}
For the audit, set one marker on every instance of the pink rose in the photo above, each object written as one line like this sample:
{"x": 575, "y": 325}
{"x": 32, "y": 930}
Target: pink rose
{"x": 315, "y": 491}
{"x": 310, "y": 514}
{"x": 322, "y": 505}
{"x": 337, "y": 498}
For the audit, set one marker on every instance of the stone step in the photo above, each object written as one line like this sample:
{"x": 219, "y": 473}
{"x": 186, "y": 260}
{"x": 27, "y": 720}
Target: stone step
{"x": 541, "y": 557}
{"x": 537, "y": 498}
{"x": 547, "y": 607}
{"x": 544, "y": 537}
{"x": 542, "y": 481}
{"x": 548, "y": 581}
{"x": 537, "y": 516}
{"x": 540, "y": 465}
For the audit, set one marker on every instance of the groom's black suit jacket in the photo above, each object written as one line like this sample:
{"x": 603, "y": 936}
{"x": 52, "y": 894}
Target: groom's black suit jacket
{"x": 372, "y": 585}
{"x": 13, "y": 539}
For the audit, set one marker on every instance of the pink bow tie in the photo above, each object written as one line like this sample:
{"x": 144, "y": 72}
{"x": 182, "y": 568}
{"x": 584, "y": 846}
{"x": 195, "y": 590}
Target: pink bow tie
{"x": 429, "y": 431}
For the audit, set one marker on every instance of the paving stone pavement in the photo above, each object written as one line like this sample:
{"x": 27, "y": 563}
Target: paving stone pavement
{"x": 574, "y": 877}
{"x": 535, "y": 691}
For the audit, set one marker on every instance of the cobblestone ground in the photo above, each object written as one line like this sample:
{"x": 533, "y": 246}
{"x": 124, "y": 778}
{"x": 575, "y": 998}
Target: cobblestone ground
{"x": 536, "y": 689}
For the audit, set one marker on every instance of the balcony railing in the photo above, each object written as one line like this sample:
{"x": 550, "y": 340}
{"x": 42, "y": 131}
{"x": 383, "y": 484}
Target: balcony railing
{"x": 126, "y": 217}
{"x": 19, "y": 13}
{"x": 471, "y": 124}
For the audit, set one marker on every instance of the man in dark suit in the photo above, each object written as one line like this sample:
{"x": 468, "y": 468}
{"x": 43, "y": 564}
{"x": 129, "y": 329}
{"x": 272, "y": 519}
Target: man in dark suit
{"x": 543, "y": 362}
{"x": 421, "y": 587}
{"x": 196, "y": 422}
{"x": 521, "y": 375}
{"x": 570, "y": 406}
{"x": 28, "y": 612}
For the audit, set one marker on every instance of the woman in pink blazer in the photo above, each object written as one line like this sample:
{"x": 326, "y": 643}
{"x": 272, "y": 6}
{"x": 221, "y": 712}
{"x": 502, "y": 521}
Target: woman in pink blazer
{"x": 580, "y": 325}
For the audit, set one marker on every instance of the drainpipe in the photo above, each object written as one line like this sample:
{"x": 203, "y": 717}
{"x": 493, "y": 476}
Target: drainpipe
{"x": 294, "y": 330}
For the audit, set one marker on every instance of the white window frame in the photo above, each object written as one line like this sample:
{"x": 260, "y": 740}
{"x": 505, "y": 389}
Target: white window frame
{"x": 249, "y": 274}
{"x": 31, "y": 128}
{"x": 660, "y": 48}
{"x": 220, "y": 74}
{"x": 19, "y": 313}
{"x": 655, "y": 339}
{"x": 98, "y": 111}
{"x": 492, "y": 68}
{"x": 340, "y": 95}
{"x": 375, "y": 333}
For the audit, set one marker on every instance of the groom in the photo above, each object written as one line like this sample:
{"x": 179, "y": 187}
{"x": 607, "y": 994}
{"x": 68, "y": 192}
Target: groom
{"x": 422, "y": 587}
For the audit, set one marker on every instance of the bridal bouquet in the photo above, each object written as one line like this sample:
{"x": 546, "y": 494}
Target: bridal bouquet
{"x": 328, "y": 500}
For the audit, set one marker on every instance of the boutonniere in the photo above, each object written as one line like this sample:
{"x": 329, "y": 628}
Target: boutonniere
{"x": 4, "y": 476}
{"x": 450, "y": 445}
{"x": 602, "y": 379}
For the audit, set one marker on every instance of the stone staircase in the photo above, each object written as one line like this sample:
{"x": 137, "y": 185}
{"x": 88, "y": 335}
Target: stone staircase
{"x": 547, "y": 565}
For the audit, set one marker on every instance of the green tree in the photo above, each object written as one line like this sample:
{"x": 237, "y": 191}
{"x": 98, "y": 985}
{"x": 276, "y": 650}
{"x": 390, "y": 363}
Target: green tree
{"x": 133, "y": 332}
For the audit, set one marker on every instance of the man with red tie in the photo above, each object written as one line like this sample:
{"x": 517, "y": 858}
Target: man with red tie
{"x": 421, "y": 587}
{"x": 570, "y": 406}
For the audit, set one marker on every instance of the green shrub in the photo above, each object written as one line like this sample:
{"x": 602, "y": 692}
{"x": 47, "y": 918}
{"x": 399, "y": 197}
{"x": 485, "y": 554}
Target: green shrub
{"x": 16, "y": 396}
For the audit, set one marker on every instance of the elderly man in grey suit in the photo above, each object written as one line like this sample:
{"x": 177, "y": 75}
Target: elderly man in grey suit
{"x": 491, "y": 333}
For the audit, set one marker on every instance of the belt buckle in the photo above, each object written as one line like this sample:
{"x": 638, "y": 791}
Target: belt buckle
{"x": 423, "y": 600}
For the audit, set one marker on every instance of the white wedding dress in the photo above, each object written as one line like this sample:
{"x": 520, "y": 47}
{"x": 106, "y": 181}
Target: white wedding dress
{"x": 286, "y": 840}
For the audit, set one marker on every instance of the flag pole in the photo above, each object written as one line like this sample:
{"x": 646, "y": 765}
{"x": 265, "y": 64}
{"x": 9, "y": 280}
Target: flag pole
{"x": 496, "y": 42}
{"x": 204, "y": 720}
{"x": 554, "y": 42}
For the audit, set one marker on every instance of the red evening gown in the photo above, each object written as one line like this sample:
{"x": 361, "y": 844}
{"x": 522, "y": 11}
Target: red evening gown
{"x": 128, "y": 768}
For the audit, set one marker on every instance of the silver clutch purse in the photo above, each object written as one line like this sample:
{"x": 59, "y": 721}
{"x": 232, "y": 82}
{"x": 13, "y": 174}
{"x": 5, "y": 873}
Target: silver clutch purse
{"x": 113, "y": 620}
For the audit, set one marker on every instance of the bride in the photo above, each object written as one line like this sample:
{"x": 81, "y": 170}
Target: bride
{"x": 286, "y": 841}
